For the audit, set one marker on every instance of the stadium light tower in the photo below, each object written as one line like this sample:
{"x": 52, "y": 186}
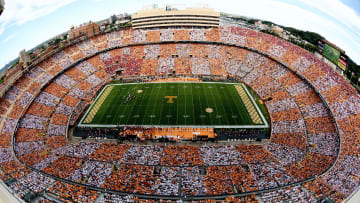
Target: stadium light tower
{"x": 2, "y": 6}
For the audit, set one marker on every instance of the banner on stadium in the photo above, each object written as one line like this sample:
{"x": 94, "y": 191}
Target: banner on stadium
{"x": 343, "y": 61}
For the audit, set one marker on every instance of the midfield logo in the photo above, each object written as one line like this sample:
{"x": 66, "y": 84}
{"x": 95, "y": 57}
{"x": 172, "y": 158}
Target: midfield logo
{"x": 170, "y": 99}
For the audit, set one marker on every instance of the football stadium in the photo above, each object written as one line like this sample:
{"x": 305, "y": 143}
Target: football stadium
{"x": 198, "y": 110}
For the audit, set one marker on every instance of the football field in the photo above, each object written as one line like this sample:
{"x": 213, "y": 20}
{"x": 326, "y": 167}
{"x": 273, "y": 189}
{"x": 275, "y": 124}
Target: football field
{"x": 218, "y": 105}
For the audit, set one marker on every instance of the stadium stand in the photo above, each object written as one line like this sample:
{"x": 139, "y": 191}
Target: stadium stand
{"x": 313, "y": 153}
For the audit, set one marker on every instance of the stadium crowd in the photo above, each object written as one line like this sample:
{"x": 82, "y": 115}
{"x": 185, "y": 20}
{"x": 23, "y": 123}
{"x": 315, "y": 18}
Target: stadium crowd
{"x": 305, "y": 141}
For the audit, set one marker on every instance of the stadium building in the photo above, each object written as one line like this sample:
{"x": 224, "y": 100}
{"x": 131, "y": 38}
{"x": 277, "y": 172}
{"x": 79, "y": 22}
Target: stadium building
{"x": 172, "y": 17}
{"x": 198, "y": 113}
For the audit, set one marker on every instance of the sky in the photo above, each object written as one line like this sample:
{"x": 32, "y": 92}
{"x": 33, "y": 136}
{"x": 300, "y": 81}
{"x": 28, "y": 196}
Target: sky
{"x": 25, "y": 24}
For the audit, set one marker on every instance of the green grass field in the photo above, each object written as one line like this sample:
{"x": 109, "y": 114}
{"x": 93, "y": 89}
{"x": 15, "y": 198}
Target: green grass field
{"x": 191, "y": 104}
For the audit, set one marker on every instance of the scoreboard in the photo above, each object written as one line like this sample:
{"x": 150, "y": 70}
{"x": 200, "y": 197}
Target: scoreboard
{"x": 333, "y": 54}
